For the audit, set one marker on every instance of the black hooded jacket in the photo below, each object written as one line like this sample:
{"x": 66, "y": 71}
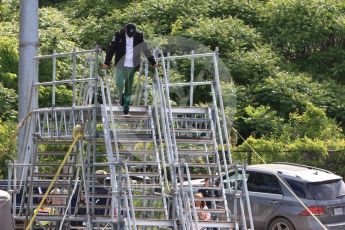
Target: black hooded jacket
{"x": 118, "y": 47}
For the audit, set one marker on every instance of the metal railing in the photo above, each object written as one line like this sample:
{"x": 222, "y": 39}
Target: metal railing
{"x": 167, "y": 126}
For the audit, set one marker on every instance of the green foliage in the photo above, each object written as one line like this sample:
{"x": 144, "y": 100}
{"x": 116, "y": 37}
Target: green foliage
{"x": 45, "y": 3}
{"x": 310, "y": 138}
{"x": 229, "y": 34}
{"x": 309, "y": 32}
{"x": 98, "y": 8}
{"x": 313, "y": 124}
{"x": 56, "y": 31}
{"x": 262, "y": 121}
{"x": 248, "y": 11}
{"x": 8, "y": 145}
{"x": 8, "y": 105}
{"x": 253, "y": 66}
{"x": 307, "y": 151}
{"x": 8, "y": 62}
{"x": 96, "y": 17}
{"x": 8, "y": 10}
{"x": 287, "y": 93}
{"x": 161, "y": 14}
{"x": 336, "y": 156}
{"x": 337, "y": 107}
{"x": 329, "y": 155}
{"x": 267, "y": 151}
{"x": 300, "y": 28}
{"x": 327, "y": 63}
{"x": 92, "y": 26}
{"x": 152, "y": 17}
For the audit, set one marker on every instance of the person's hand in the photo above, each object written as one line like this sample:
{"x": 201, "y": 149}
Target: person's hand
{"x": 202, "y": 216}
{"x": 104, "y": 66}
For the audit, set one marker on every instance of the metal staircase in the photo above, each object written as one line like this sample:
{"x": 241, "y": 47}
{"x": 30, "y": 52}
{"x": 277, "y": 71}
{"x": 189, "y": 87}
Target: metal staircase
{"x": 137, "y": 172}
{"x": 194, "y": 136}
{"x": 52, "y": 130}
{"x": 134, "y": 163}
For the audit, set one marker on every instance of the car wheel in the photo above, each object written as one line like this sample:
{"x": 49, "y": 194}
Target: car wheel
{"x": 281, "y": 224}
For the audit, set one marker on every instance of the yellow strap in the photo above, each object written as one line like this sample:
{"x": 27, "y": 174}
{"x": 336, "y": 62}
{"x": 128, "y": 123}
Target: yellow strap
{"x": 22, "y": 122}
{"x": 77, "y": 134}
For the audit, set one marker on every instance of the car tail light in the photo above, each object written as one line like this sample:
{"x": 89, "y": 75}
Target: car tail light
{"x": 316, "y": 210}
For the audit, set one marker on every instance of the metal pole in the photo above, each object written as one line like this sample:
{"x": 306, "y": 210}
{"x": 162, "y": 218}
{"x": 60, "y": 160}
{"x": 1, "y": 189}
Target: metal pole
{"x": 221, "y": 104}
{"x": 146, "y": 83}
{"x": 54, "y": 79}
{"x": 245, "y": 189}
{"x": 28, "y": 49}
{"x": 74, "y": 74}
{"x": 191, "y": 95}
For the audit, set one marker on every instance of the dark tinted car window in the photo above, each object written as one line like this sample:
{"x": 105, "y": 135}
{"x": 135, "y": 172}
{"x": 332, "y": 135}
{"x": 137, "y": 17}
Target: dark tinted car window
{"x": 260, "y": 182}
{"x": 327, "y": 190}
{"x": 298, "y": 188}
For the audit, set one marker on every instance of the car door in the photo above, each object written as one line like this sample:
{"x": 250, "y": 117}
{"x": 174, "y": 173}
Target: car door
{"x": 265, "y": 196}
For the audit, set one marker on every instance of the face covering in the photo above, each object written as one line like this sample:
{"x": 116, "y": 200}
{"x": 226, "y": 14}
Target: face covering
{"x": 130, "y": 30}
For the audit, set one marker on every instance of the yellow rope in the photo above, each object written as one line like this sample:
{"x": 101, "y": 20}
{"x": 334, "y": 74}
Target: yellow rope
{"x": 22, "y": 122}
{"x": 77, "y": 135}
{"x": 253, "y": 150}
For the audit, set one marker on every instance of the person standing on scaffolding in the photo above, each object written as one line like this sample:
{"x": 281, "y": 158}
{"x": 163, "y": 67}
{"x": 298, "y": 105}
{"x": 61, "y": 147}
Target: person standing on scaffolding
{"x": 127, "y": 45}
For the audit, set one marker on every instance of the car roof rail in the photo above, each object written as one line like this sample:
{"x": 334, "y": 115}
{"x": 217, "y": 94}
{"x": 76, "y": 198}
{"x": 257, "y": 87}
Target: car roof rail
{"x": 304, "y": 166}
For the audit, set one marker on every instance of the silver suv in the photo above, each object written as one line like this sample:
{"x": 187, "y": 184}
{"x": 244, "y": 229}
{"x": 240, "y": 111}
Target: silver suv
{"x": 275, "y": 208}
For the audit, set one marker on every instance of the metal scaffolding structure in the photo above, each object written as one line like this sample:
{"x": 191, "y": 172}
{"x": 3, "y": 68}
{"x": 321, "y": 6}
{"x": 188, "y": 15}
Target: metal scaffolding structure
{"x": 136, "y": 172}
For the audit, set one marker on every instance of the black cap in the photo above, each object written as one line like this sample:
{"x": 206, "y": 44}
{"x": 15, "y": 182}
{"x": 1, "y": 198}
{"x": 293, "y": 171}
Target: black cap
{"x": 130, "y": 29}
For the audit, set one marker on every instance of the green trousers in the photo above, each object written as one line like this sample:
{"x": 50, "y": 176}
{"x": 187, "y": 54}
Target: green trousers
{"x": 124, "y": 83}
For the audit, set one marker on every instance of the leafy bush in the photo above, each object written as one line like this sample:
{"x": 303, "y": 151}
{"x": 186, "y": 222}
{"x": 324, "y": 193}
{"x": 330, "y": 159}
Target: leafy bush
{"x": 262, "y": 121}
{"x": 248, "y": 11}
{"x": 253, "y": 66}
{"x": 8, "y": 105}
{"x": 268, "y": 151}
{"x": 307, "y": 151}
{"x": 336, "y": 156}
{"x": 310, "y": 33}
{"x": 8, "y": 62}
{"x": 300, "y": 28}
{"x": 313, "y": 124}
{"x": 56, "y": 31}
{"x": 8, "y": 145}
{"x": 229, "y": 34}
{"x": 288, "y": 92}
{"x": 329, "y": 155}
{"x": 8, "y": 10}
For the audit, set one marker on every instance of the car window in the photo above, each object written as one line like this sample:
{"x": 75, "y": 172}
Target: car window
{"x": 299, "y": 188}
{"x": 265, "y": 183}
{"x": 327, "y": 190}
{"x": 232, "y": 179}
